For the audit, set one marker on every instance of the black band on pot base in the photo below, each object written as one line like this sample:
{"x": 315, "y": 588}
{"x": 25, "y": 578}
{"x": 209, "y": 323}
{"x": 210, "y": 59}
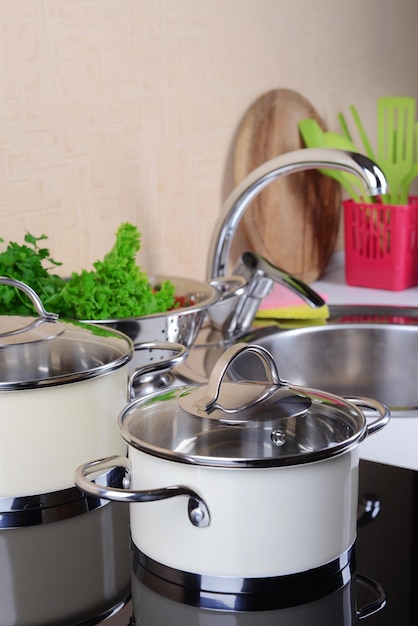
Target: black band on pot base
{"x": 225, "y": 593}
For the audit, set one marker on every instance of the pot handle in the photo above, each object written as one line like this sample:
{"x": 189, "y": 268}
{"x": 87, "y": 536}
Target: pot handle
{"x": 197, "y": 509}
{"x": 210, "y": 401}
{"x": 368, "y": 508}
{"x": 377, "y": 407}
{"x": 32, "y": 295}
{"x": 178, "y": 352}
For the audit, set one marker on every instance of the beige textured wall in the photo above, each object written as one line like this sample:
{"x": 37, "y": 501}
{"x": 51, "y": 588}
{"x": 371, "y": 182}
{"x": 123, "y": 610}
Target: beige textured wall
{"x": 115, "y": 110}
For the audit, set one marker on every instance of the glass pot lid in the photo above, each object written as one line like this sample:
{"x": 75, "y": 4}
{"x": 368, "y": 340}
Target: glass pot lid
{"x": 243, "y": 423}
{"x": 44, "y": 351}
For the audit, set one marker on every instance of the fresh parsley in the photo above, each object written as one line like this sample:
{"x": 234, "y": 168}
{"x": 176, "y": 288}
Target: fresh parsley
{"x": 115, "y": 288}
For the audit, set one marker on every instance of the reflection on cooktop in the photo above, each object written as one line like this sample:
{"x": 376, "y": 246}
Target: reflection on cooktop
{"x": 385, "y": 554}
{"x": 386, "y": 548}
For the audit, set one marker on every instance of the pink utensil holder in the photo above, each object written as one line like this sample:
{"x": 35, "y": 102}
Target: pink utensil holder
{"x": 381, "y": 244}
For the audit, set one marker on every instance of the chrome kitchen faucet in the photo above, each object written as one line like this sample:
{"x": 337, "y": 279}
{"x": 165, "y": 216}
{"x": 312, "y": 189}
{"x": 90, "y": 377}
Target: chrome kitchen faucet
{"x": 288, "y": 163}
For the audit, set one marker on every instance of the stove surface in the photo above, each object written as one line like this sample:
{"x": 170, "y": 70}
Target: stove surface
{"x": 387, "y": 547}
{"x": 386, "y": 552}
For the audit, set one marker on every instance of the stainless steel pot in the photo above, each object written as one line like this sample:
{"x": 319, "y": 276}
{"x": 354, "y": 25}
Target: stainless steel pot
{"x": 269, "y": 471}
{"x": 62, "y": 385}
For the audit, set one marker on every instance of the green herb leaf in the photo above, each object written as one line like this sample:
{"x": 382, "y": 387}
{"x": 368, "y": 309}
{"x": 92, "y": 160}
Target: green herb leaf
{"x": 116, "y": 287}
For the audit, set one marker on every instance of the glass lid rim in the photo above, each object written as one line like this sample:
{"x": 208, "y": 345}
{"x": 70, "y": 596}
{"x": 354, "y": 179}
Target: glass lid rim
{"x": 299, "y": 458}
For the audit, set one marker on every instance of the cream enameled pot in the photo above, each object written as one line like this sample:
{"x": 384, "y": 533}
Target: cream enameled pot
{"x": 62, "y": 386}
{"x": 242, "y": 480}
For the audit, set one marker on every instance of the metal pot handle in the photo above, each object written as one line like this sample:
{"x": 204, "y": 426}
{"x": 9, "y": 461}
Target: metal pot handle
{"x": 369, "y": 506}
{"x": 32, "y": 295}
{"x": 373, "y": 405}
{"x": 197, "y": 509}
{"x": 179, "y": 354}
{"x": 209, "y": 401}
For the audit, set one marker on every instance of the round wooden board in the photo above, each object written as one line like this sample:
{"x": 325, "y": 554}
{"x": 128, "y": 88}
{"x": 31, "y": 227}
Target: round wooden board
{"x": 294, "y": 222}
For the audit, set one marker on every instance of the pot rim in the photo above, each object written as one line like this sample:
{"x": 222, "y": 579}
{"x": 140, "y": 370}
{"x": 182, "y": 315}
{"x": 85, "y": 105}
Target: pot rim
{"x": 122, "y": 345}
{"x": 308, "y": 457}
{"x": 248, "y": 423}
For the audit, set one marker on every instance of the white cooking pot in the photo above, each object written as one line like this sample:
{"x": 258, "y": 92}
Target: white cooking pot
{"x": 62, "y": 385}
{"x": 269, "y": 472}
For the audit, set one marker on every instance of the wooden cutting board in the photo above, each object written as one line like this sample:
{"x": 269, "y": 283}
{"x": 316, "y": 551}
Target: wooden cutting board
{"x": 294, "y": 222}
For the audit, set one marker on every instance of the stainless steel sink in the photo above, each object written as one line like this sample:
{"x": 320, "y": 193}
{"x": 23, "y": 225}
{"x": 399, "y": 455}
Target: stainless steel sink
{"x": 361, "y": 350}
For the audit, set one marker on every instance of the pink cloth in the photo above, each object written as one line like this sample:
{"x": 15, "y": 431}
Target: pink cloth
{"x": 281, "y": 297}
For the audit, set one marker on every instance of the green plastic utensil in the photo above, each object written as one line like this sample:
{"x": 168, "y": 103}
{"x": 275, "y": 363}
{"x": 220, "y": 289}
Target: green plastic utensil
{"x": 340, "y": 142}
{"x": 407, "y": 181}
{"x": 312, "y": 133}
{"x": 362, "y": 133}
{"x": 344, "y": 126}
{"x": 349, "y": 182}
{"x": 395, "y": 142}
{"x": 315, "y": 137}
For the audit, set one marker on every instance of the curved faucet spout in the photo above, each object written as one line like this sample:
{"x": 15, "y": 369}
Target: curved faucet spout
{"x": 288, "y": 163}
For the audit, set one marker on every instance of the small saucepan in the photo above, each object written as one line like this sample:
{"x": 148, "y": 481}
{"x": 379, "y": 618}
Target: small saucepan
{"x": 243, "y": 481}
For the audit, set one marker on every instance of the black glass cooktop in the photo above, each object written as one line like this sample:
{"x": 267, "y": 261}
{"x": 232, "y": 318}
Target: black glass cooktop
{"x": 383, "y": 590}
{"x": 387, "y": 547}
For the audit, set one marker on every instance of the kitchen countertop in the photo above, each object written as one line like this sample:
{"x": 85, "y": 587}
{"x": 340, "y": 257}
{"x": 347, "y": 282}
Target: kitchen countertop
{"x": 332, "y": 285}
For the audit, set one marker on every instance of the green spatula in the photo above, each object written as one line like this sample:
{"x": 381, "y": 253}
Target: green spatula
{"x": 350, "y": 182}
{"x": 315, "y": 137}
{"x": 361, "y": 131}
{"x": 395, "y": 142}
